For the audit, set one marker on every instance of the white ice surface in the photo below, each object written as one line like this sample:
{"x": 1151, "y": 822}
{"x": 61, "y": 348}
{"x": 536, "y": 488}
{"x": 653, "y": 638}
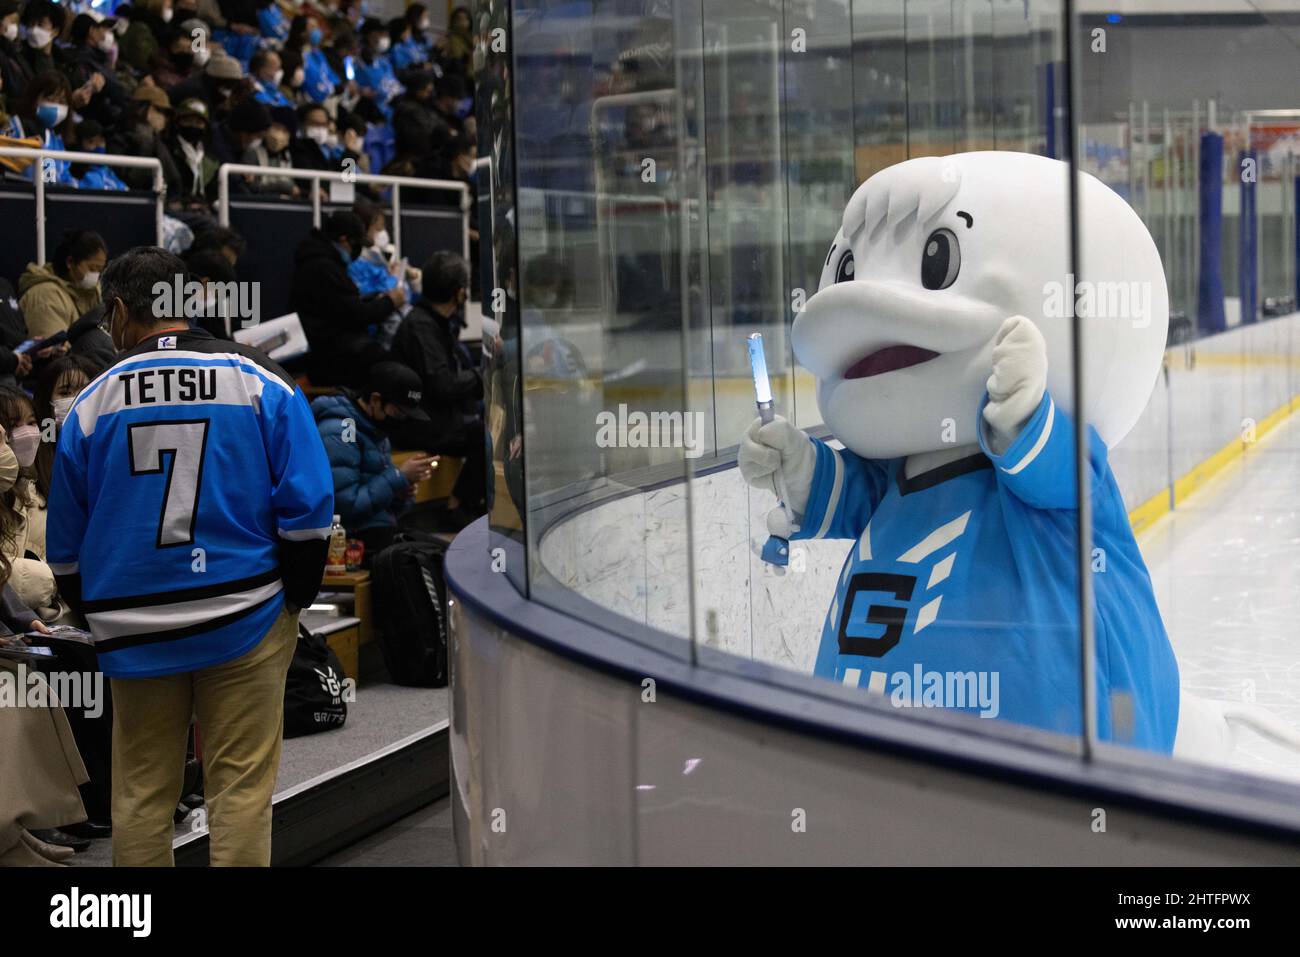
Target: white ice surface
{"x": 1226, "y": 570}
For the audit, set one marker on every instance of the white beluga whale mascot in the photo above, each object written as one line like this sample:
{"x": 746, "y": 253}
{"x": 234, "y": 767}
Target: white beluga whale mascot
{"x": 940, "y": 338}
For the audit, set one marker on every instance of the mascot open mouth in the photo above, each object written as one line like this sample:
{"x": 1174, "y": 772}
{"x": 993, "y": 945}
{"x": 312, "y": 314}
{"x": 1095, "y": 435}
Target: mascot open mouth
{"x": 889, "y": 359}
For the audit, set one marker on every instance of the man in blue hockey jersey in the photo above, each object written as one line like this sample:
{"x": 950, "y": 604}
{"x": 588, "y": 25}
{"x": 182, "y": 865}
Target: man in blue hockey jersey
{"x": 942, "y": 365}
{"x": 188, "y": 520}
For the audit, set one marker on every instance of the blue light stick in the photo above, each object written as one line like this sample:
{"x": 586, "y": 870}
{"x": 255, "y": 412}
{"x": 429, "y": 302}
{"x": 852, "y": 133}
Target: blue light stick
{"x": 777, "y": 550}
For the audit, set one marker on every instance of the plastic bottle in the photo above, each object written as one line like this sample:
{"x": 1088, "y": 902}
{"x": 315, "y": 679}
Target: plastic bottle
{"x": 336, "y": 563}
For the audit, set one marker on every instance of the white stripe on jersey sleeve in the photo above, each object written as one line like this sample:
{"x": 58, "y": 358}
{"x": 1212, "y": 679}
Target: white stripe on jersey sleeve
{"x": 303, "y": 534}
{"x": 1043, "y": 436}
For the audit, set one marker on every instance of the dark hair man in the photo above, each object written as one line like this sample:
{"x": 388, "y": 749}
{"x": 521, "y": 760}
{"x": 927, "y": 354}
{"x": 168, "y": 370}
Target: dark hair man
{"x": 428, "y": 341}
{"x": 369, "y": 490}
{"x": 190, "y": 508}
{"x": 337, "y": 319}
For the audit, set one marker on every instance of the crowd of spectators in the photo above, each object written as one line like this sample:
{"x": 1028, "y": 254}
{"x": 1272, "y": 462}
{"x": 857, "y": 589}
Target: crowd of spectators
{"x": 197, "y": 83}
{"x": 194, "y": 84}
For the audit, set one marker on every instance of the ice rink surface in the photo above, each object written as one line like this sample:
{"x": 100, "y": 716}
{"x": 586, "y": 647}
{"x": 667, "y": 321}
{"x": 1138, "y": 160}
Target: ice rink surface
{"x": 1226, "y": 569}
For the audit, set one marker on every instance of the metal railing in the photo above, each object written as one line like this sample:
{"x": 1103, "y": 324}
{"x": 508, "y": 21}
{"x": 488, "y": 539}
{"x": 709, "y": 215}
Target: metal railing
{"x": 93, "y": 159}
{"x": 316, "y": 177}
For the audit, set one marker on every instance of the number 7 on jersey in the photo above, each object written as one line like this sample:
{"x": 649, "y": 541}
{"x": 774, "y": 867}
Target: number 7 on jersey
{"x": 187, "y": 443}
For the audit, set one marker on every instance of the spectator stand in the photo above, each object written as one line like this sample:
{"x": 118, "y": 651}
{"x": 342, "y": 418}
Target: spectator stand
{"x": 41, "y": 193}
{"x": 275, "y": 227}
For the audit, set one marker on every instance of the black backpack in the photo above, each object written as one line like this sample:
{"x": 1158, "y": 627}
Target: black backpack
{"x": 314, "y": 691}
{"x": 411, "y": 602}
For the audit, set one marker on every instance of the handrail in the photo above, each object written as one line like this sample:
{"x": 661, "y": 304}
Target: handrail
{"x": 97, "y": 159}
{"x": 317, "y": 176}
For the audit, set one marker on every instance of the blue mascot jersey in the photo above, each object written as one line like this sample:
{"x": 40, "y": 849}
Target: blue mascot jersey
{"x": 972, "y": 568}
{"x": 190, "y": 491}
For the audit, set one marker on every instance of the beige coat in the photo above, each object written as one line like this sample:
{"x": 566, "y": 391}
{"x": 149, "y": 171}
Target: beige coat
{"x": 40, "y": 769}
{"x": 49, "y": 302}
{"x": 31, "y": 579}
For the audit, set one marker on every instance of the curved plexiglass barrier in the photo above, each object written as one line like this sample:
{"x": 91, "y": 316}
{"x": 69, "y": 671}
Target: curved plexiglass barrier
{"x": 1013, "y": 468}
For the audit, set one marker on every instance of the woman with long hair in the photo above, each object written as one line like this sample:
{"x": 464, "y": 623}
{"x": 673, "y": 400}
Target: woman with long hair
{"x": 57, "y": 388}
{"x": 22, "y": 511}
{"x": 40, "y": 766}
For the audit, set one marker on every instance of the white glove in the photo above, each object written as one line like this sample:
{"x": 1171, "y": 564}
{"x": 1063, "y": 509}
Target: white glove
{"x": 1018, "y": 381}
{"x": 776, "y": 447}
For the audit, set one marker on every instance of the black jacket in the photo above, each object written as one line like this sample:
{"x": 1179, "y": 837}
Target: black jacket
{"x": 307, "y": 155}
{"x": 143, "y": 141}
{"x": 85, "y": 338}
{"x": 15, "y": 70}
{"x": 336, "y": 319}
{"x": 426, "y": 342}
{"x": 15, "y": 617}
{"x": 417, "y": 129}
{"x": 13, "y": 328}
{"x": 109, "y": 106}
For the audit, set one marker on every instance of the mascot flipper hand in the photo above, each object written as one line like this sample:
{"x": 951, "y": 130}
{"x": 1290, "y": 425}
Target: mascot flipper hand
{"x": 1017, "y": 383}
{"x": 778, "y": 446}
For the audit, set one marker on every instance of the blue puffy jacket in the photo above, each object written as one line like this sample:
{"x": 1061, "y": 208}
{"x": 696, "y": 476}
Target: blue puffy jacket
{"x": 368, "y": 488}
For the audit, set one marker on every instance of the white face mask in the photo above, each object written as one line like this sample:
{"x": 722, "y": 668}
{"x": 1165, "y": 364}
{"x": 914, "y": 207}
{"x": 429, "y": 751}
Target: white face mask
{"x": 202, "y": 55}
{"x": 384, "y": 44}
{"x": 297, "y": 77}
{"x": 89, "y": 281}
{"x": 255, "y": 144}
{"x": 318, "y": 134}
{"x": 279, "y": 75}
{"x": 25, "y": 440}
{"x": 11, "y": 31}
{"x": 332, "y": 140}
{"x": 167, "y": 15}
{"x": 381, "y": 239}
{"x": 62, "y": 406}
{"x": 37, "y": 37}
{"x": 107, "y": 42}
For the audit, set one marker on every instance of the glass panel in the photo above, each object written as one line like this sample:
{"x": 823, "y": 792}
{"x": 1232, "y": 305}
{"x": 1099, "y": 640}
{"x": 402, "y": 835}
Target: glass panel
{"x": 605, "y": 263}
{"x": 925, "y": 574}
{"x": 683, "y": 175}
{"x": 498, "y": 292}
{"x": 1189, "y": 200}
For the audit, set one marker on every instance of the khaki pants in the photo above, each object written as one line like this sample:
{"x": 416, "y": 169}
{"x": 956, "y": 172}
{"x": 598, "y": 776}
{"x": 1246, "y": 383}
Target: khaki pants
{"x": 239, "y": 706}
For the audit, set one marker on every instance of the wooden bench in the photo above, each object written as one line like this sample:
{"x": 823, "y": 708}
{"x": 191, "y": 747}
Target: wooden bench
{"x": 358, "y": 583}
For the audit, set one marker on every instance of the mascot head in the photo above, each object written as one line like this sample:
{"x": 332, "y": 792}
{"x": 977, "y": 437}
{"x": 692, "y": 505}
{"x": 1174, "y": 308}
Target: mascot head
{"x": 933, "y": 254}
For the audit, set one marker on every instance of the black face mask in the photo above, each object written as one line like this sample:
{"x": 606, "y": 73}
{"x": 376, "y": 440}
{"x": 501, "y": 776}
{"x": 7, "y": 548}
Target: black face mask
{"x": 191, "y": 134}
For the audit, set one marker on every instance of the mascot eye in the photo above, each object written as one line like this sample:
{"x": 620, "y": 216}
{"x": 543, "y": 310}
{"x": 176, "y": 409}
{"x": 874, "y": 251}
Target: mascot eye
{"x": 844, "y": 271}
{"x": 941, "y": 260}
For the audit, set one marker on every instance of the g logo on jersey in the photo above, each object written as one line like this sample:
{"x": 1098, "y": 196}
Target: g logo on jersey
{"x": 876, "y": 603}
{"x": 861, "y": 615}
